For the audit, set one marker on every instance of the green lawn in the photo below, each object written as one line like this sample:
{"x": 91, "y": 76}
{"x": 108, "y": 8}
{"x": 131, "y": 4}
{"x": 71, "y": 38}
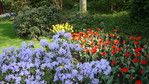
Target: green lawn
{"x": 8, "y": 37}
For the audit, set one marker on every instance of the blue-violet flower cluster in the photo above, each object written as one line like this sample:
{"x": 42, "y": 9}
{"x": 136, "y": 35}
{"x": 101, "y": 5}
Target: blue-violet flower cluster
{"x": 36, "y": 66}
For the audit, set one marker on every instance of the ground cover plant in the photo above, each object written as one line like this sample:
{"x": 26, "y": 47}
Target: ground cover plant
{"x": 128, "y": 56}
{"x": 51, "y": 63}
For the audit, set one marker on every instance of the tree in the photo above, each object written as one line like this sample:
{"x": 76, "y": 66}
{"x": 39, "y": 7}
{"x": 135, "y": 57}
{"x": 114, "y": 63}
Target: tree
{"x": 83, "y": 6}
{"x": 58, "y": 3}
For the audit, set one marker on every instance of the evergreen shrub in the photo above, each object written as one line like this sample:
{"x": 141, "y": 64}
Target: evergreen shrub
{"x": 36, "y": 22}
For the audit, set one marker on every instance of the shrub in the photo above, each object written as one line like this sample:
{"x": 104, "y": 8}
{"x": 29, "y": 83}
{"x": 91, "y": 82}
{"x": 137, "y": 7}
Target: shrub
{"x": 52, "y": 64}
{"x": 62, "y": 27}
{"x": 38, "y": 3}
{"x": 34, "y": 22}
{"x": 140, "y": 10}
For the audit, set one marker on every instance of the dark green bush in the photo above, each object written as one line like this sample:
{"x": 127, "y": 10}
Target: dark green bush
{"x": 38, "y": 3}
{"x": 140, "y": 10}
{"x": 36, "y": 22}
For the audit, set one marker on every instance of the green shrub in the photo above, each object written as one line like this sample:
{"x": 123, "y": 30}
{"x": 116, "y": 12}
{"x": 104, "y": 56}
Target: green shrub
{"x": 140, "y": 10}
{"x": 38, "y": 3}
{"x": 35, "y": 22}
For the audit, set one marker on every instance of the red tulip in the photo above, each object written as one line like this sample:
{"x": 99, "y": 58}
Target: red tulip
{"x": 113, "y": 47}
{"x": 108, "y": 42}
{"x": 98, "y": 29}
{"x": 103, "y": 53}
{"x": 115, "y": 30}
{"x": 88, "y": 29}
{"x": 141, "y": 71}
{"x": 143, "y": 62}
{"x": 111, "y": 35}
{"x": 131, "y": 77}
{"x": 132, "y": 38}
{"x": 138, "y": 82}
{"x": 119, "y": 49}
{"x": 113, "y": 51}
{"x": 135, "y": 60}
{"x": 138, "y": 54}
{"x": 113, "y": 62}
{"x": 135, "y": 42}
{"x": 94, "y": 50}
{"x": 124, "y": 70}
{"x": 127, "y": 54}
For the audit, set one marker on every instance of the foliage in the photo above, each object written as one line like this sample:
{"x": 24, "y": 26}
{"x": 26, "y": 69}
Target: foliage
{"x": 128, "y": 57}
{"x": 104, "y": 6}
{"x": 140, "y": 11}
{"x": 38, "y": 3}
{"x": 108, "y": 21}
{"x": 119, "y": 20}
{"x": 35, "y": 22}
{"x": 13, "y": 6}
{"x": 62, "y": 27}
{"x": 51, "y": 63}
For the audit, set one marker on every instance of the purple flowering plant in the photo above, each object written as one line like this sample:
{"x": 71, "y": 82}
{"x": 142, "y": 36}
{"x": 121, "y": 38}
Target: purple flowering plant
{"x": 50, "y": 64}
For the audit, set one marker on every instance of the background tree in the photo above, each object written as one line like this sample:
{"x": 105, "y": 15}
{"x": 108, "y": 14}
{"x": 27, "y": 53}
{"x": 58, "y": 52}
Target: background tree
{"x": 83, "y": 6}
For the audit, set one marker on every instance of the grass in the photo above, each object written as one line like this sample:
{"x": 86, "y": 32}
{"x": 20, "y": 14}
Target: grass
{"x": 8, "y": 37}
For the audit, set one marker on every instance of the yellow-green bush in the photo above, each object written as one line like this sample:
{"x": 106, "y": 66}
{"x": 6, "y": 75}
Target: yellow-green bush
{"x": 62, "y": 27}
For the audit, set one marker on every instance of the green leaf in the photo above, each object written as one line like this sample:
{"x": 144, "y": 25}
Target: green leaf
{"x": 132, "y": 71}
{"x": 110, "y": 80}
{"x": 127, "y": 76}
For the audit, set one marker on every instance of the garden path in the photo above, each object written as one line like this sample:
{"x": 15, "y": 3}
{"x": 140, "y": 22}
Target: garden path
{"x": 4, "y": 15}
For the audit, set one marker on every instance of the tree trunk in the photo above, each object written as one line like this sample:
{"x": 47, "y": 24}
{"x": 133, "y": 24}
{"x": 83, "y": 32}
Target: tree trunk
{"x": 58, "y": 3}
{"x": 83, "y": 6}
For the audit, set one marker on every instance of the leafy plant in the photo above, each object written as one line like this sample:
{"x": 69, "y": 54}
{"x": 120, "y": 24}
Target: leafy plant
{"x": 35, "y": 22}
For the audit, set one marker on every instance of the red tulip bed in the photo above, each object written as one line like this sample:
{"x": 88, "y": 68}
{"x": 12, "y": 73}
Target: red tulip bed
{"x": 128, "y": 57}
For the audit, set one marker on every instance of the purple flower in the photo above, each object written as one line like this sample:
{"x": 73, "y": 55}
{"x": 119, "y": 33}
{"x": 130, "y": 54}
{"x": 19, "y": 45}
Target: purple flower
{"x": 53, "y": 46}
{"x": 62, "y": 51}
{"x": 38, "y": 77}
{"x": 65, "y": 44}
{"x": 31, "y": 43}
{"x": 60, "y": 33}
{"x": 43, "y": 42}
{"x": 17, "y": 80}
{"x": 4, "y": 50}
{"x": 80, "y": 77}
{"x": 4, "y": 68}
{"x": 57, "y": 40}
{"x": 95, "y": 81}
{"x": 23, "y": 45}
{"x": 55, "y": 37}
{"x": 24, "y": 73}
{"x": 107, "y": 71}
{"x": 74, "y": 72}
{"x": 67, "y": 35}
{"x": 78, "y": 48}
{"x": 2, "y": 82}
{"x": 55, "y": 78}
{"x": 9, "y": 77}
{"x": 68, "y": 82}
